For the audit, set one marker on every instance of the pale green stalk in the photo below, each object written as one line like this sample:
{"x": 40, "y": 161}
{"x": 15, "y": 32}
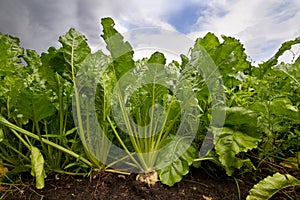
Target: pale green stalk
{"x": 6, "y": 123}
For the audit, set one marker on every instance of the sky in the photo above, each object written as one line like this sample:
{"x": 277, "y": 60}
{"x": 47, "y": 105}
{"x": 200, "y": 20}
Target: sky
{"x": 261, "y": 25}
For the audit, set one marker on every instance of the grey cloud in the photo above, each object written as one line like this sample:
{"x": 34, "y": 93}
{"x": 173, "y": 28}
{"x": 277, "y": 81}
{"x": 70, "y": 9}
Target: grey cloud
{"x": 39, "y": 23}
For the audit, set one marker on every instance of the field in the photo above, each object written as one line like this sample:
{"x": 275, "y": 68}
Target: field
{"x": 77, "y": 124}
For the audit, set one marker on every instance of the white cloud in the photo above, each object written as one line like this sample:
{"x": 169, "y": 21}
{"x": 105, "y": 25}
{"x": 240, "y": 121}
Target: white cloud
{"x": 261, "y": 25}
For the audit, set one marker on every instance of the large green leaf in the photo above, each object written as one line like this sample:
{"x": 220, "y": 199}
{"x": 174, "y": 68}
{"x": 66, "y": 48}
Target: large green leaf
{"x": 12, "y": 71}
{"x": 209, "y": 42}
{"x": 229, "y": 56}
{"x": 267, "y": 187}
{"x": 179, "y": 154}
{"x": 34, "y": 106}
{"x": 95, "y": 86}
{"x": 239, "y": 134}
{"x": 120, "y": 51}
{"x": 37, "y": 167}
{"x": 75, "y": 49}
{"x": 10, "y": 53}
{"x": 279, "y": 107}
{"x": 284, "y": 107}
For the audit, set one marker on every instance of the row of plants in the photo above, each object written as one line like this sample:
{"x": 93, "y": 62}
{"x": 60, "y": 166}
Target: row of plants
{"x": 73, "y": 111}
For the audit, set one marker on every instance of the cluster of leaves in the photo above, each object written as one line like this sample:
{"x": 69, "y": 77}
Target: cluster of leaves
{"x": 45, "y": 99}
{"x": 262, "y": 111}
{"x": 35, "y": 103}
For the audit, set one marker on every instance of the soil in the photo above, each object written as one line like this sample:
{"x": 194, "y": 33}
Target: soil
{"x": 107, "y": 185}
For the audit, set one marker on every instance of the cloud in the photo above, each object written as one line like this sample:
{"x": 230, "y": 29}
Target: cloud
{"x": 261, "y": 25}
{"x": 37, "y": 23}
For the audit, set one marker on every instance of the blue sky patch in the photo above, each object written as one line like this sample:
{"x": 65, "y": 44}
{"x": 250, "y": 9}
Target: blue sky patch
{"x": 186, "y": 18}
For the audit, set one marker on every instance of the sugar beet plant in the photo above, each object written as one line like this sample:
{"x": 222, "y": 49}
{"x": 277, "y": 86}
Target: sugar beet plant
{"x": 147, "y": 109}
{"x": 73, "y": 110}
{"x": 36, "y": 101}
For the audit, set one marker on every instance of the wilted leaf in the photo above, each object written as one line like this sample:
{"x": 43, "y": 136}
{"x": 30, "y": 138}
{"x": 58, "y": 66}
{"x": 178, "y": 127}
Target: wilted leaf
{"x": 37, "y": 167}
{"x": 3, "y": 169}
{"x": 291, "y": 162}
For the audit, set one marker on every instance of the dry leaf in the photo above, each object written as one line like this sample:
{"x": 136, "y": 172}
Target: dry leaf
{"x": 207, "y": 198}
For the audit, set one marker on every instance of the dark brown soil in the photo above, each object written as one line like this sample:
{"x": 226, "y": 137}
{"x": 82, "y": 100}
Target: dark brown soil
{"x": 105, "y": 185}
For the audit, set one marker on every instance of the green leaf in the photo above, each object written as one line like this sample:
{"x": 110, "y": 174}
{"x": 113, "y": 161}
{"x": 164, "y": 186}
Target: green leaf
{"x": 157, "y": 58}
{"x": 267, "y": 187}
{"x": 33, "y": 60}
{"x": 179, "y": 154}
{"x": 239, "y": 134}
{"x": 37, "y": 167}
{"x": 284, "y": 107}
{"x": 241, "y": 118}
{"x": 210, "y": 42}
{"x": 229, "y": 56}
{"x": 1, "y": 135}
{"x": 34, "y": 106}
{"x": 94, "y": 96}
{"x": 184, "y": 61}
{"x": 10, "y": 53}
{"x": 54, "y": 60}
{"x": 264, "y": 67}
{"x": 279, "y": 107}
{"x": 12, "y": 71}
{"x": 120, "y": 51}
{"x": 75, "y": 49}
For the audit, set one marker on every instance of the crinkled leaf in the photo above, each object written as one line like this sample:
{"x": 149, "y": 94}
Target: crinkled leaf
{"x": 184, "y": 61}
{"x": 12, "y": 71}
{"x": 37, "y": 167}
{"x": 239, "y": 134}
{"x": 10, "y": 53}
{"x": 54, "y": 60}
{"x": 120, "y": 51}
{"x": 209, "y": 42}
{"x": 34, "y": 106}
{"x": 52, "y": 71}
{"x": 75, "y": 49}
{"x": 33, "y": 60}
{"x": 179, "y": 155}
{"x": 267, "y": 187}
{"x": 228, "y": 143}
{"x": 229, "y": 56}
{"x": 241, "y": 118}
